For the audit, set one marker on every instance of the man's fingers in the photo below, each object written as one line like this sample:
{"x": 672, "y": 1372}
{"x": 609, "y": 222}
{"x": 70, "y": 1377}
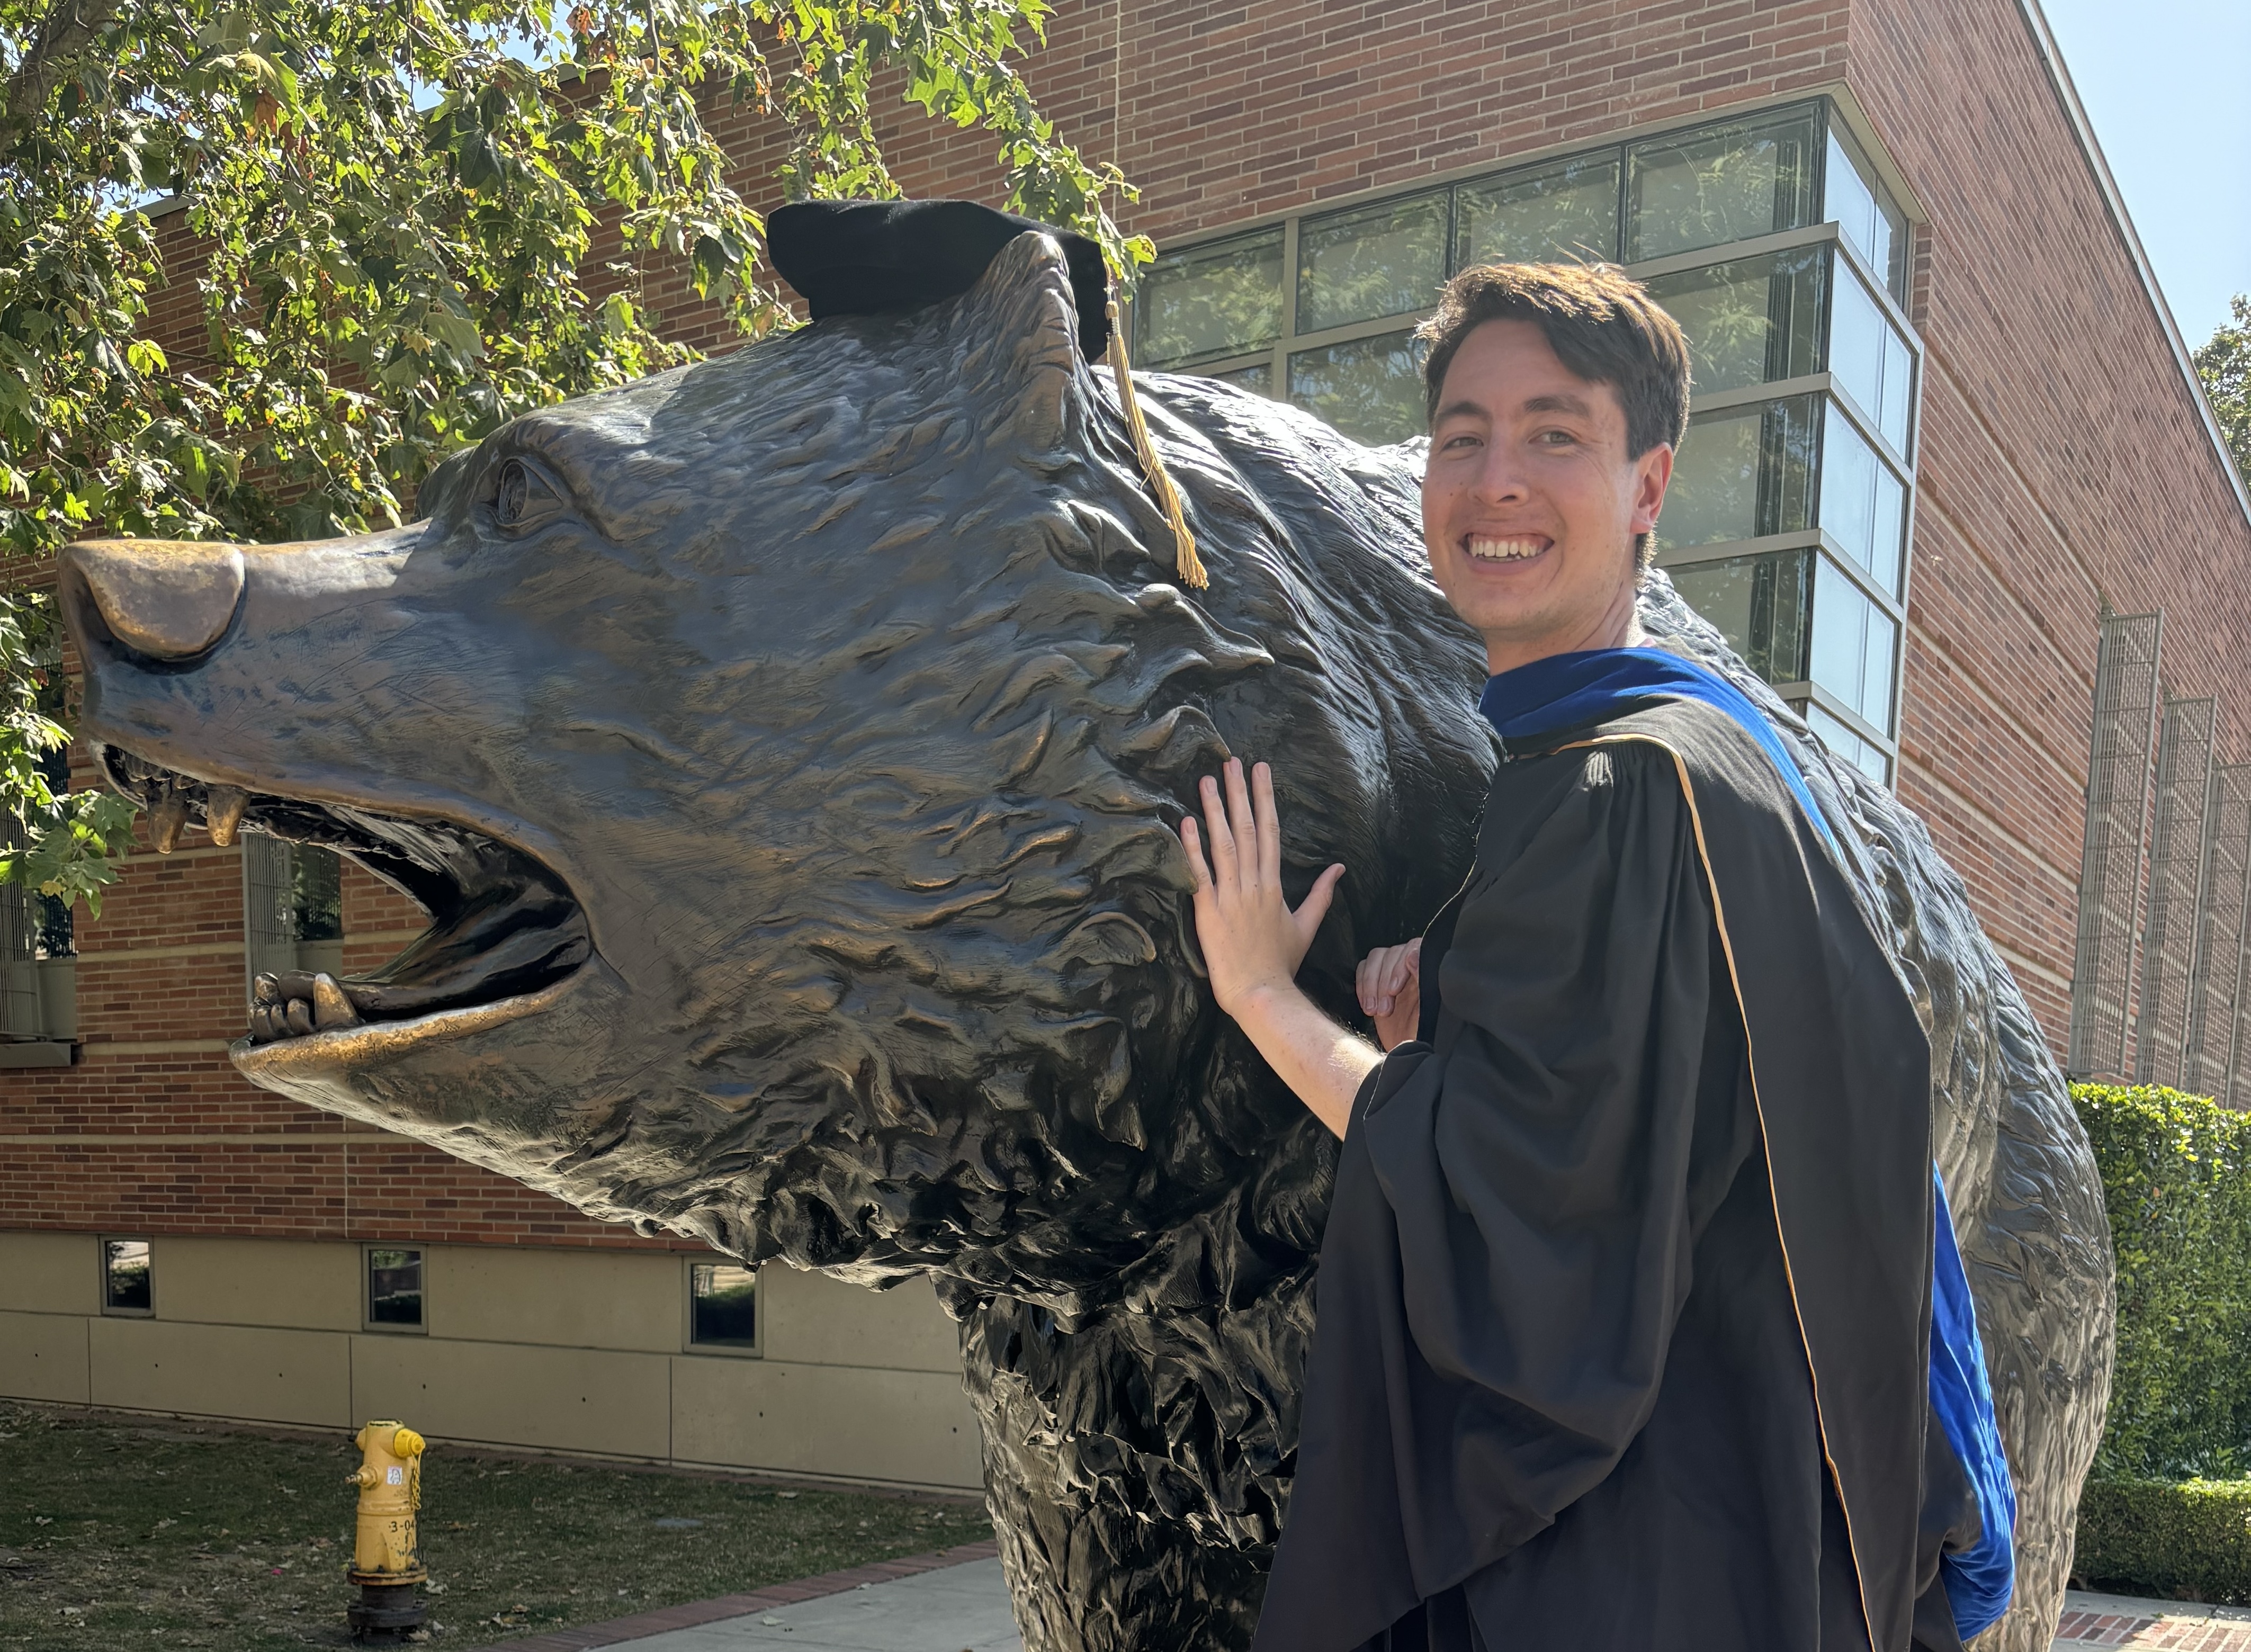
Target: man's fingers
{"x": 1242, "y": 822}
{"x": 1193, "y": 844}
{"x": 1224, "y": 868}
{"x": 1269, "y": 825}
{"x": 1316, "y": 906}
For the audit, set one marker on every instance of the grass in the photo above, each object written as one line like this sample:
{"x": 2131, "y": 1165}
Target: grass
{"x": 120, "y": 1533}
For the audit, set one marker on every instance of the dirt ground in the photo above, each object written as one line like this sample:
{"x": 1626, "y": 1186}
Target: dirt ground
{"x": 117, "y": 1533}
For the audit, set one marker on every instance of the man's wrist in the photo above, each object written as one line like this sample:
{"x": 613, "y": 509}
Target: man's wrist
{"x": 1268, "y": 1002}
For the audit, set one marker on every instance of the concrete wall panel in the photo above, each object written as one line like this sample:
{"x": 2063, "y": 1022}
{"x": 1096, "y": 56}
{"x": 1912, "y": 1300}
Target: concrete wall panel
{"x": 812, "y": 1319}
{"x": 259, "y": 1281}
{"x": 908, "y": 1428}
{"x": 43, "y": 1357}
{"x": 50, "y": 1273}
{"x": 221, "y": 1370}
{"x": 507, "y": 1394}
{"x": 565, "y": 1298}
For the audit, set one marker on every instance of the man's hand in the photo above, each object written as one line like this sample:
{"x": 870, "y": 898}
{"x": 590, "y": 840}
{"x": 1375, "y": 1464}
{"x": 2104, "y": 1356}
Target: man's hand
{"x": 1252, "y": 942}
{"x": 1391, "y": 984}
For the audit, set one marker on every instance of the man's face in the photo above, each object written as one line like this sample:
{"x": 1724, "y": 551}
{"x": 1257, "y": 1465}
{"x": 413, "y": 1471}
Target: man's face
{"x": 1531, "y": 502}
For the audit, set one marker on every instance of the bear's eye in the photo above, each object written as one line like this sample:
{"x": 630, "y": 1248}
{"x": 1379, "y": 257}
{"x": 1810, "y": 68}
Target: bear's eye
{"x": 523, "y": 498}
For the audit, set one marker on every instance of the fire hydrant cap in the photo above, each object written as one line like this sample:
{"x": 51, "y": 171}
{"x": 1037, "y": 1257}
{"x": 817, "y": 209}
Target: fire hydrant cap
{"x": 406, "y": 1443}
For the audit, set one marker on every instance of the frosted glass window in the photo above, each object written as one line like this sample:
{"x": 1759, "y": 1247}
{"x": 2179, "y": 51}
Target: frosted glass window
{"x": 1854, "y": 645}
{"x": 1870, "y": 358}
{"x": 1369, "y": 389}
{"x": 1567, "y": 212}
{"x": 1720, "y": 183}
{"x": 1865, "y": 214}
{"x": 1742, "y": 474}
{"x": 1863, "y": 755}
{"x": 1220, "y": 300}
{"x": 1760, "y": 605}
{"x": 1749, "y": 322}
{"x": 1863, "y": 502}
{"x": 1387, "y": 260}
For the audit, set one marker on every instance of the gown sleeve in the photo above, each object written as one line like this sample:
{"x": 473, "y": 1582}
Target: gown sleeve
{"x": 1516, "y": 1209}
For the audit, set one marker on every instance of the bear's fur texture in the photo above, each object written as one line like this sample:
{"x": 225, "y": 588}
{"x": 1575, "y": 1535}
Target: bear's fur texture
{"x": 845, "y": 684}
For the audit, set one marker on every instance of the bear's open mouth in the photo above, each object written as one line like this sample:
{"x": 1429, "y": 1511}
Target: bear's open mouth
{"x": 503, "y": 925}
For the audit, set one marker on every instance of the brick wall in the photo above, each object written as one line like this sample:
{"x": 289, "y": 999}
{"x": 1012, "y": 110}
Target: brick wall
{"x": 2063, "y": 463}
{"x": 2060, "y": 463}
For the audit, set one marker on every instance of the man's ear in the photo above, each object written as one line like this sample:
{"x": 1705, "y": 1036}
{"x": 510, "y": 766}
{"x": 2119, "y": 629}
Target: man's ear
{"x": 1652, "y": 472}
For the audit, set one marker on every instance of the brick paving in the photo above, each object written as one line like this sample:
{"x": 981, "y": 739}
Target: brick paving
{"x": 695, "y": 1613}
{"x": 2112, "y": 1621}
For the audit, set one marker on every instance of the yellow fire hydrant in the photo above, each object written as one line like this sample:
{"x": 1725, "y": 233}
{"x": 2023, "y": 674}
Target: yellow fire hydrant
{"x": 385, "y": 1563}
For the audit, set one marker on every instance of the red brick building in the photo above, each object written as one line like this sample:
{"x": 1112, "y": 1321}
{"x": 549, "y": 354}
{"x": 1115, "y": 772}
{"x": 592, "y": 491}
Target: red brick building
{"x": 1945, "y": 433}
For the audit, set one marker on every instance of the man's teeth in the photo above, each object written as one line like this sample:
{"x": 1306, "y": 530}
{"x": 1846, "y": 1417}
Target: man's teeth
{"x": 1514, "y": 548}
{"x": 297, "y": 1005}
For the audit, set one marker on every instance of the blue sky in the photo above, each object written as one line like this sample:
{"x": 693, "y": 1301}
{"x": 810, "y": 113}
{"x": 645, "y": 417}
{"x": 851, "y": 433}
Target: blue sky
{"x": 2167, "y": 84}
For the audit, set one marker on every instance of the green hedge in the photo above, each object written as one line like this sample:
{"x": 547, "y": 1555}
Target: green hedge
{"x": 2184, "y": 1541}
{"x": 2177, "y": 1183}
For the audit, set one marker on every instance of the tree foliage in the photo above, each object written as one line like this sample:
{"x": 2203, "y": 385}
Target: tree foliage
{"x": 2224, "y": 363}
{"x": 416, "y": 220}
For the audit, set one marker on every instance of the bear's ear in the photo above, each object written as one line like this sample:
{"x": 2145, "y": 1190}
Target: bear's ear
{"x": 1019, "y": 332}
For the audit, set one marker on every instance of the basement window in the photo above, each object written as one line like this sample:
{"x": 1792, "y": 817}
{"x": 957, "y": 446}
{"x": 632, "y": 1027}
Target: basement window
{"x": 723, "y": 1307}
{"x": 128, "y": 1277}
{"x": 394, "y": 1288}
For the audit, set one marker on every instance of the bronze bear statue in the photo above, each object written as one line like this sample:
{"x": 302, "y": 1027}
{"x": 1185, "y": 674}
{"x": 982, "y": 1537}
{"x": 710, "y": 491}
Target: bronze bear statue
{"x": 788, "y": 749}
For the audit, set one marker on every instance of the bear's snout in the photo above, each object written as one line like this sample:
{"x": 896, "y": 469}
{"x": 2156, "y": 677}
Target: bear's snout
{"x": 165, "y": 599}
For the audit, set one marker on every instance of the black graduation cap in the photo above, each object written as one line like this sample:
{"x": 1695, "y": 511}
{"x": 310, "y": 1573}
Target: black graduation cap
{"x": 859, "y": 258}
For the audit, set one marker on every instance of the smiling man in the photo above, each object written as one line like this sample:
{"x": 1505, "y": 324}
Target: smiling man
{"x": 1641, "y": 1325}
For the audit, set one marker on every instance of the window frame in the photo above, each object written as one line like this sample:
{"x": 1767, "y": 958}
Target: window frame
{"x": 102, "y": 1242}
{"x": 757, "y": 1347}
{"x": 368, "y": 1322}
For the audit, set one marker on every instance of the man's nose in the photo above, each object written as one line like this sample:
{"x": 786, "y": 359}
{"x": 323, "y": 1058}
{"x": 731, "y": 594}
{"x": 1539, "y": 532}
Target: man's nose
{"x": 1500, "y": 481}
{"x": 168, "y": 599}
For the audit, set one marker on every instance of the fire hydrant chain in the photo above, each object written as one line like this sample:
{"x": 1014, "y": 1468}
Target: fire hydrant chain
{"x": 386, "y": 1559}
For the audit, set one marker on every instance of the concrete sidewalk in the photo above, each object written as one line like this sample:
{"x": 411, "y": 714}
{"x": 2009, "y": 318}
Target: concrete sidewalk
{"x": 957, "y": 1601}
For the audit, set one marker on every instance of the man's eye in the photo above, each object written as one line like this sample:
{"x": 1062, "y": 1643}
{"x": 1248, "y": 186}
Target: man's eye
{"x": 523, "y": 498}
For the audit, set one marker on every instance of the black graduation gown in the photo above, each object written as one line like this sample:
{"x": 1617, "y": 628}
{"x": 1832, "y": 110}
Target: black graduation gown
{"x": 1625, "y": 1298}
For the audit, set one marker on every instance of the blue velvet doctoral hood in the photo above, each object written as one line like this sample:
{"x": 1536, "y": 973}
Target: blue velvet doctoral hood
{"x": 1578, "y": 690}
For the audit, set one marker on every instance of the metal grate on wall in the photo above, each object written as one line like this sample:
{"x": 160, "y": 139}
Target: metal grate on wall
{"x": 2179, "y": 865}
{"x": 2110, "y": 862}
{"x": 2215, "y": 991}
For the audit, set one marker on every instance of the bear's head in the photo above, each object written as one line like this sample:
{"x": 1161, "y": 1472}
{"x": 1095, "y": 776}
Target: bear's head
{"x": 789, "y": 750}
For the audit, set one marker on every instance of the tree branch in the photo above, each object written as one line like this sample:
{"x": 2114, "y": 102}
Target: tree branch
{"x": 68, "y": 29}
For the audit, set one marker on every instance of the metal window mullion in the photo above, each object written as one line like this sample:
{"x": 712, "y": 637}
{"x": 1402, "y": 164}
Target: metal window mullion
{"x": 2177, "y": 855}
{"x": 2117, "y": 805}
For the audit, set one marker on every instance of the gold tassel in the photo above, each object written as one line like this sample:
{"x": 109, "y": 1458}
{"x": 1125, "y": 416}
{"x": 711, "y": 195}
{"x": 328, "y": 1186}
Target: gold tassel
{"x": 1185, "y": 560}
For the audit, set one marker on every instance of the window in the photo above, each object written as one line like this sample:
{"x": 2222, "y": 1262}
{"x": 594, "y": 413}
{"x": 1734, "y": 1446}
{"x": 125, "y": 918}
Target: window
{"x": 1567, "y": 209}
{"x": 1219, "y": 300}
{"x": 1715, "y": 185}
{"x": 394, "y": 1288}
{"x": 39, "y": 963}
{"x": 1762, "y": 605}
{"x": 1376, "y": 261}
{"x": 722, "y": 1306}
{"x": 127, "y": 1279}
{"x": 1368, "y": 388}
{"x": 1752, "y": 321}
{"x": 292, "y": 907}
{"x": 1871, "y": 222}
{"x": 1788, "y": 520}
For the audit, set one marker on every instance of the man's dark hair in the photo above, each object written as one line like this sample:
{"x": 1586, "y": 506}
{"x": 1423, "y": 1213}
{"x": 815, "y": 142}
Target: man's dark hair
{"x": 1603, "y": 326}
